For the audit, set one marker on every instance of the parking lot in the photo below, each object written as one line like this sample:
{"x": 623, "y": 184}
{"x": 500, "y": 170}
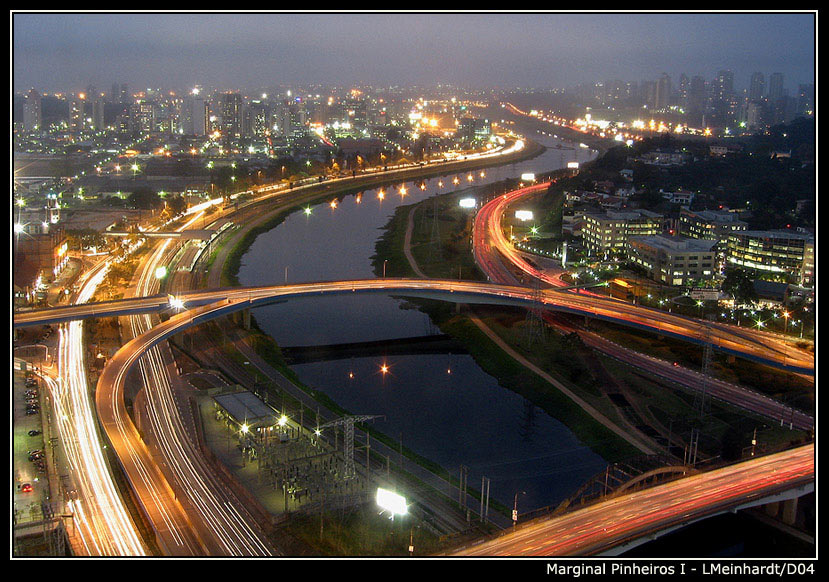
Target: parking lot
{"x": 30, "y": 484}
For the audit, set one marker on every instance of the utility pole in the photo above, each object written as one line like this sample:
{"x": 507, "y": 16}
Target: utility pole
{"x": 462, "y": 486}
{"x": 534, "y": 324}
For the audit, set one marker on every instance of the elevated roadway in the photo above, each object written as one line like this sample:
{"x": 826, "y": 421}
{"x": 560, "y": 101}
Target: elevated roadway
{"x": 758, "y": 346}
{"x": 608, "y": 527}
{"x": 503, "y": 263}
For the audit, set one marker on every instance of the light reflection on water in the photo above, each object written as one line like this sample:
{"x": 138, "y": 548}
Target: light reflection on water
{"x": 460, "y": 418}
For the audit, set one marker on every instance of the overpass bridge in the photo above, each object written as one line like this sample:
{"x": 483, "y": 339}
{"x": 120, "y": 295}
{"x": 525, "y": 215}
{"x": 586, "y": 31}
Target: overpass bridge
{"x": 606, "y": 527}
{"x": 603, "y": 528}
{"x": 618, "y": 524}
{"x": 191, "y": 234}
{"x": 754, "y": 345}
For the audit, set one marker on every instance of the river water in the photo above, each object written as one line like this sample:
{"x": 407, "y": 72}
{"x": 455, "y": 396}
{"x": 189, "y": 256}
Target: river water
{"x": 442, "y": 406}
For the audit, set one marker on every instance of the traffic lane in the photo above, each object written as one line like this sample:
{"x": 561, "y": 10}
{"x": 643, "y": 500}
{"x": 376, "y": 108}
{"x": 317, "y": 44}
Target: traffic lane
{"x": 614, "y": 521}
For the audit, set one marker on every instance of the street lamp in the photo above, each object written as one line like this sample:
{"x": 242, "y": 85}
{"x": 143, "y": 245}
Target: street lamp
{"x": 515, "y": 508}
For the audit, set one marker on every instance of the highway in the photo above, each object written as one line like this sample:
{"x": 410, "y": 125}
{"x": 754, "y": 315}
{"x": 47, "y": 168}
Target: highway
{"x": 223, "y": 524}
{"x": 754, "y": 345}
{"x": 104, "y": 525}
{"x": 491, "y": 248}
{"x": 599, "y": 527}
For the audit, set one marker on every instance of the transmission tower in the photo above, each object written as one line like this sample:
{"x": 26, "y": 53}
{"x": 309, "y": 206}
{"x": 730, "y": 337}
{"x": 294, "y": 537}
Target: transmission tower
{"x": 701, "y": 401}
{"x": 347, "y": 422}
{"x": 534, "y": 329}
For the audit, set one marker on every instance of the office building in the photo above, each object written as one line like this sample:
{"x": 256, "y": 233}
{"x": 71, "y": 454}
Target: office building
{"x": 789, "y": 254}
{"x": 604, "y": 232}
{"x": 674, "y": 260}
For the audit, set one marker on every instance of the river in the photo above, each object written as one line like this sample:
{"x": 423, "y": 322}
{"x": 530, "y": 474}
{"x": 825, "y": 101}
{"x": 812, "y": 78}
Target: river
{"x": 442, "y": 406}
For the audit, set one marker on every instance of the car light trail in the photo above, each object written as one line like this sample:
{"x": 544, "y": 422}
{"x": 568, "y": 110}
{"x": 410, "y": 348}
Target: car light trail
{"x": 104, "y": 524}
{"x": 224, "y": 531}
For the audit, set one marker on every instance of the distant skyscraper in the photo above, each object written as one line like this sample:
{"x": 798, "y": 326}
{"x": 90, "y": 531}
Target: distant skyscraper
{"x": 231, "y": 111}
{"x": 777, "y": 102}
{"x": 256, "y": 119}
{"x": 97, "y": 112}
{"x": 723, "y": 85}
{"x": 663, "y": 92}
{"x": 32, "y": 112}
{"x": 194, "y": 114}
{"x": 757, "y": 87}
{"x": 647, "y": 91}
{"x": 76, "y": 107}
{"x": 775, "y": 86}
{"x": 684, "y": 88}
{"x": 696, "y": 100}
{"x": 143, "y": 117}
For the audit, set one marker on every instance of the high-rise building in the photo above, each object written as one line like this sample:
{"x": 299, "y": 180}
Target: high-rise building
{"x": 76, "y": 107}
{"x": 696, "y": 100}
{"x": 683, "y": 89}
{"x": 757, "y": 88}
{"x": 662, "y": 99}
{"x": 143, "y": 117}
{"x": 775, "y": 87}
{"x": 97, "y": 111}
{"x": 723, "y": 84}
{"x": 32, "y": 112}
{"x": 194, "y": 114}
{"x": 255, "y": 123}
{"x": 231, "y": 112}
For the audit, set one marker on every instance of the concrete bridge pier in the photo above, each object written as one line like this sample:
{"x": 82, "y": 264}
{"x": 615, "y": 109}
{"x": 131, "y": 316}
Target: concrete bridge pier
{"x": 785, "y": 511}
{"x": 242, "y": 318}
{"x": 790, "y": 511}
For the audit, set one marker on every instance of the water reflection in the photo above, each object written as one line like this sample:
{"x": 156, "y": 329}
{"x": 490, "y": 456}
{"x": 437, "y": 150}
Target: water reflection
{"x": 445, "y": 406}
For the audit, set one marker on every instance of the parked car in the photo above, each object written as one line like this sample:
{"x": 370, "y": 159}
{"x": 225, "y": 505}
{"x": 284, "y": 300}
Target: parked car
{"x": 34, "y": 432}
{"x": 26, "y": 488}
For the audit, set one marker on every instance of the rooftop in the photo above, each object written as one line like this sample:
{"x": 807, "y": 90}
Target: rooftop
{"x": 245, "y": 407}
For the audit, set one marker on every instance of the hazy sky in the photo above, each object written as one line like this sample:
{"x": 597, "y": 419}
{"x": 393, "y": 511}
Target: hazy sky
{"x": 66, "y": 51}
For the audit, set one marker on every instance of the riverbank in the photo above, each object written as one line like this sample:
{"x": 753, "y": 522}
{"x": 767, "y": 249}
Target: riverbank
{"x": 427, "y": 256}
{"x": 226, "y": 258}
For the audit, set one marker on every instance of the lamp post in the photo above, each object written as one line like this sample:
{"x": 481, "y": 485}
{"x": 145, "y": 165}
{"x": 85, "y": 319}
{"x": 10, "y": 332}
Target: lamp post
{"x": 515, "y": 508}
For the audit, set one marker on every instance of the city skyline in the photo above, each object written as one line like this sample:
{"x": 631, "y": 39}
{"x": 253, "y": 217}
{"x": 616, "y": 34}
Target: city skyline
{"x": 61, "y": 51}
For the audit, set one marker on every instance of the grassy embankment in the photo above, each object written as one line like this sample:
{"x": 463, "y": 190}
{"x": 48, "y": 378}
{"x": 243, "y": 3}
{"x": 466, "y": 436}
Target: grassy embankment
{"x": 449, "y": 256}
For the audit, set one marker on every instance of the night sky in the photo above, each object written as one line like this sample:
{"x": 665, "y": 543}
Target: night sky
{"x": 65, "y": 52}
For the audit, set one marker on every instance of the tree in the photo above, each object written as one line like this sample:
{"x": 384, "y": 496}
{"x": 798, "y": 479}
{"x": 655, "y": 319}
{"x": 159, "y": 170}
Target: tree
{"x": 739, "y": 284}
{"x": 144, "y": 198}
{"x": 176, "y": 204}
